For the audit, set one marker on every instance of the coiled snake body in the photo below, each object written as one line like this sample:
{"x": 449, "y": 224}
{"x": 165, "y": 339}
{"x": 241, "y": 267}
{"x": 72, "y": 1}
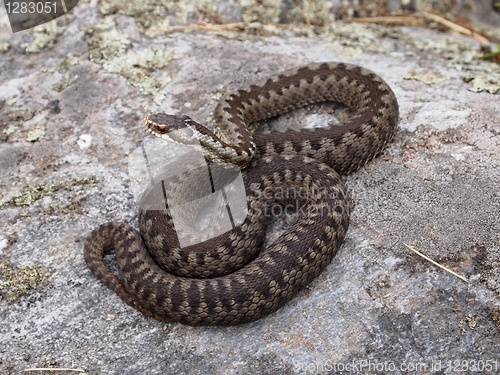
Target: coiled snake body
{"x": 230, "y": 279}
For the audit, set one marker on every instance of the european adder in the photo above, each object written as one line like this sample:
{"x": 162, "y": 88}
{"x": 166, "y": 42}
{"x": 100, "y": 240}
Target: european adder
{"x": 232, "y": 279}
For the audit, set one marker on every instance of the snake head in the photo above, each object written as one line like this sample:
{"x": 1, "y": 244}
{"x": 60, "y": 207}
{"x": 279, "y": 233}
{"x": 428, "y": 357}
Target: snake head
{"x": 160, "y": 123}
{"x": 185, "y": 131}
{"x": 179, "y": 129}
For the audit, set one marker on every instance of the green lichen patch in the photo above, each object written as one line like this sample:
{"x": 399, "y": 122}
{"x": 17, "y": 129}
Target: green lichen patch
{"x": 4, "y": 47}
{"x": 17, "y": 281}
{"x": 25, "y": 121}
{"x": 72, "y": 206}
{"x": 105, "y": 42}
{"x": 11, "y": 123}
{"x": 261, "y": 11}
{"x": 32, "y": 193}
{"x": 312, "y": 13}
{"x": 259, "y": 17}
{"x": 457, "y": 53}
{"x": 64, "y": 82}
{"x": 36, "y": 131}
{"x": 355, "y": 39}
{"x": 486, "y": 83}
{"x": 137, "y": 67}
{"x": 425, "y": 77}
{"x": 155, "y": 13}
{"x": 111, "y": 49}
{"x": 45, "y": 37}
{"x": 11, "y": 100}
{"x": 21, "y": 115}
{"x": 64, "y": 65}
{"x": 483, "y": 75}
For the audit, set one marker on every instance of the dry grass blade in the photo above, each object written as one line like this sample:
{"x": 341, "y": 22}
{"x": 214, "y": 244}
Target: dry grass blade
{"x": 453, "y": 26}
{"x": 53, "y": 369}
{"x": 435, "y": 263}
{"x": 417, "y": 21}
{"x": 392, "y": 20}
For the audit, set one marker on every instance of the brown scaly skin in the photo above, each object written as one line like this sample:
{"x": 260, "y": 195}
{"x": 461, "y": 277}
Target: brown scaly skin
{"x": 261, "y": 280}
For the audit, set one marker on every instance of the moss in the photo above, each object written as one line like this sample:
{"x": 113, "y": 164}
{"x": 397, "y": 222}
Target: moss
{"x": 19, "y": 281}
{"x": 32, "y": 193}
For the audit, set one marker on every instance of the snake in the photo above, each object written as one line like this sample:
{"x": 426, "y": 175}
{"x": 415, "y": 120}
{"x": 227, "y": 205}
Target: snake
{"x": 234, "y": 277}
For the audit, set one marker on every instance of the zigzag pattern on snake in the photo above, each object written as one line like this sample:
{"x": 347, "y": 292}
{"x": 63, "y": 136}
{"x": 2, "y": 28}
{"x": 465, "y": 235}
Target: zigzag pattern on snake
{"x": 232, "y": 279}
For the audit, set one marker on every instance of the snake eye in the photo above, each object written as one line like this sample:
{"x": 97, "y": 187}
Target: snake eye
{"x": 162, "y": 128}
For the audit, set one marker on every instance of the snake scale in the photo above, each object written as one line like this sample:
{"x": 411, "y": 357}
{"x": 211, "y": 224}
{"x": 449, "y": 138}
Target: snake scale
{"x": 232, "y": 278}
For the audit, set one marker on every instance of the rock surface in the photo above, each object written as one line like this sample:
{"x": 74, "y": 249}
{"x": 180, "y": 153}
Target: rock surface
{"x": 72, "y": 97}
